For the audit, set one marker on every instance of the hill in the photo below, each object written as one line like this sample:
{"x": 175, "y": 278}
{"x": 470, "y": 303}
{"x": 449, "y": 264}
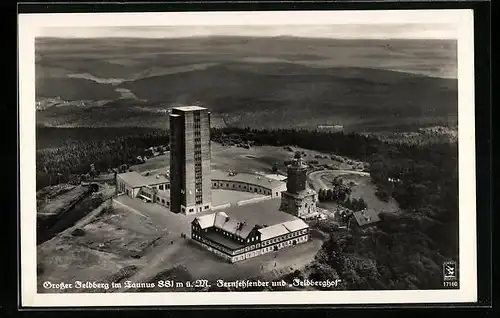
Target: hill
{"x": 364, "y": 85}
{"x": 288, "y": 95}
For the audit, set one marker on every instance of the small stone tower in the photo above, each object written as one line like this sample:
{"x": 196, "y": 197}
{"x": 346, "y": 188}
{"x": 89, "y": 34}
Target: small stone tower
{"x": 298, "y": 199}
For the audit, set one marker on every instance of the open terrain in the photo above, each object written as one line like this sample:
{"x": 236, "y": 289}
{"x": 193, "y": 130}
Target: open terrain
{"x": 374, "y": 87}
{"x": 360, "y": 184}
{"x": 362, "y": 85}
{"x": 136, "y": 241}
{"x": 60, "y": 207}
{"x": 258, "y": 159}
{"x": 112, "y": 239}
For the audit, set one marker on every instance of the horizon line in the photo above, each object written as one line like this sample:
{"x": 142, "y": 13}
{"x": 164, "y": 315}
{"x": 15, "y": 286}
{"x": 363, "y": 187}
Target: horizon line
{"x": 243, "y": 36}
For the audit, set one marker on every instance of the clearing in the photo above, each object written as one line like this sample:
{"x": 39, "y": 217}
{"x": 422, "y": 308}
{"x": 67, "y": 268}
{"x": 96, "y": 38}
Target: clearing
{"x": 362, "y": 187}
{"x": 257, "y": 159}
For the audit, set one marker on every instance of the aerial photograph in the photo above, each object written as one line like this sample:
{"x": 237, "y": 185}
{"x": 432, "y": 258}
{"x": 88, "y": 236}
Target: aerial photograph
{"x": 247, "y": 158}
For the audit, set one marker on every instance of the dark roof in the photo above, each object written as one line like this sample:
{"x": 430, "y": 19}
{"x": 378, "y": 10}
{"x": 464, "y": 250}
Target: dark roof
{"x": 224, "y": 222}
{"x": 366, "y": 217}
{"x": 222, "y": 240}
{"x": 233, "y": 226}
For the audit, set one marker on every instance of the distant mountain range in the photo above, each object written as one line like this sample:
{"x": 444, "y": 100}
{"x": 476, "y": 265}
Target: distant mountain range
{"x": 364, "y": 85}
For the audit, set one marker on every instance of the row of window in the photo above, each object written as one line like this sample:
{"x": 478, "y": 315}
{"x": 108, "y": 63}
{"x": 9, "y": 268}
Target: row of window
{"x": 244, "y": 256}
{"x": 206, "y": 207}
{"x": 215, "y": 245}
{"x": 247, "y": 249}
{"x": 235, "y": 237}
{"x": 284, "y": 237}
{"x": 251, "y": 249}
{"x": 244, "y": 187}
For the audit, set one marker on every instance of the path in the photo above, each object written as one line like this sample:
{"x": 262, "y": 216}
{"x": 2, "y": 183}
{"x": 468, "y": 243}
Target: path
{"x": 318, "y": 183}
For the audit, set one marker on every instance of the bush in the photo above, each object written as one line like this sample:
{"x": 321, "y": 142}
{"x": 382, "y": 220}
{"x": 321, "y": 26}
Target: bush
{"x": 327, "y": 226}
{"x": 78, "y": 232}
{"x": 382, "y": 194}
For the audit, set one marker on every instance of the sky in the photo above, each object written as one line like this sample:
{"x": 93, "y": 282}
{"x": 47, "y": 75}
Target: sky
{"x": 344, "y": 31}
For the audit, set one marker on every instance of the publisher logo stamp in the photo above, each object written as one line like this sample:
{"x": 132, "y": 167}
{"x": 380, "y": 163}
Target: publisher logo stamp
{"x": 450, "y": 271}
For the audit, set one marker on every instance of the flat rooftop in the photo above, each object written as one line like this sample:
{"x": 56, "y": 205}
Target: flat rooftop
{"x": 188, "y": 108}
{"x": 136, "y": 180}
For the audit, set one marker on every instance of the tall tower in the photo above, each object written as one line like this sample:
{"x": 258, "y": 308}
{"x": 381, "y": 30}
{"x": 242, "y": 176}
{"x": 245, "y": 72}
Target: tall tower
{"x": 190, "y": 184}
{"x": 298, "y": 199}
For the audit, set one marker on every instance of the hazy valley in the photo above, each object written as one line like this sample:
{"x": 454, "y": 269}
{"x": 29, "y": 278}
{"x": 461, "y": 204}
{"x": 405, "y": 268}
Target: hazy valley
{"x": 284, "y": 82}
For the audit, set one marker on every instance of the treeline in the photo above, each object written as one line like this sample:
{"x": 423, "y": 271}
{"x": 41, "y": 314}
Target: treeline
{"x": 422, "y": 178}
{"x": 55, "y": 137}
{"x": 350, "y": 145}
{"x": 394, "y": 255}
{"x": 404, "y": 250}
{"x": 73, "y": 159}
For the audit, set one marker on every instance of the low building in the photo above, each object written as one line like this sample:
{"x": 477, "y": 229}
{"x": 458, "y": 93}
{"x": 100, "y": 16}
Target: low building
{"x": 236, "y": 241}
{"x": 247, "y": 183}
{"x": 154, "y": 195}
{"x": 156, "y": 188}
{"x": 130, "y": 183}
{"x": 366, "y": 217}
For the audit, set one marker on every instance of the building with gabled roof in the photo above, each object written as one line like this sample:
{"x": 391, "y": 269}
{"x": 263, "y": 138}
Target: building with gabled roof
{"x": 366, "y": 217}
{"x": 236, "y": 241}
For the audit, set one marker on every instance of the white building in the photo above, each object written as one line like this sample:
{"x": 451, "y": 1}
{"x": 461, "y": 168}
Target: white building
{"x": 246, "y": 182}
{"x": 130, "y": 183}
{"x": 236, "y": 241}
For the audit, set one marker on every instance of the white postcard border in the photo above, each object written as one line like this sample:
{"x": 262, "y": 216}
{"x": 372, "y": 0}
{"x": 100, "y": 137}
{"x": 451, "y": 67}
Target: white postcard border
{"x": 29, "y": 27}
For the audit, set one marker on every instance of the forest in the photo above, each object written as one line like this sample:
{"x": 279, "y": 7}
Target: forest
{"x": 71, "y": 154}
{"x": 403, "y": 251}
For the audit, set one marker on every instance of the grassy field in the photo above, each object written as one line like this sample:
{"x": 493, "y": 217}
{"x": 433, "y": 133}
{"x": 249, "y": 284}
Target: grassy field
{"x": 253, "y": 160}
{"x": 364, "y": 188}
